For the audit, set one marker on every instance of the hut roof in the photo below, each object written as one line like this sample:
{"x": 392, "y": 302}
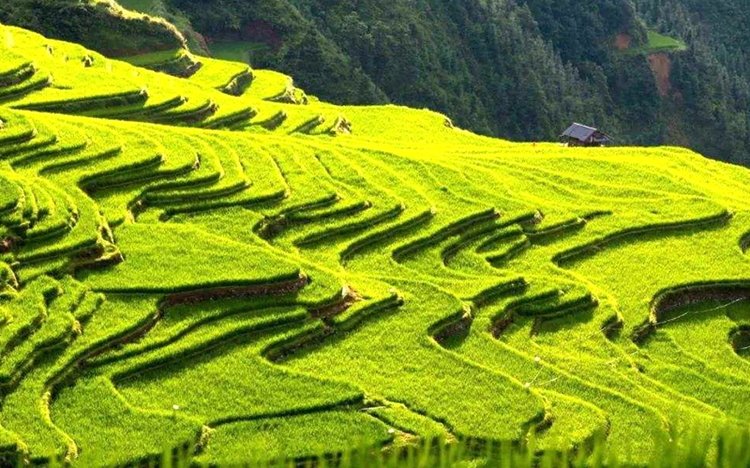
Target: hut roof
{"x": 586, "y": 134}
{"x": 580, "y": 132}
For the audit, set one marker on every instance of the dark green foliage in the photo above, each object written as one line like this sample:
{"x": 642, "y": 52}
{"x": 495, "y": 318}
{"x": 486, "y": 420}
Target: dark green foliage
{"x": 584, "y": 30}
{"x": 712, "y": 77}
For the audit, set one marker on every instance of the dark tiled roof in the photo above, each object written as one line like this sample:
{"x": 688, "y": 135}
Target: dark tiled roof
{"x": 579, "y": 132}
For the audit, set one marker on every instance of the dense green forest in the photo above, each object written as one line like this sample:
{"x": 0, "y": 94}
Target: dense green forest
{"x": 711, "y": 79}
{"x": 519, "y": 69}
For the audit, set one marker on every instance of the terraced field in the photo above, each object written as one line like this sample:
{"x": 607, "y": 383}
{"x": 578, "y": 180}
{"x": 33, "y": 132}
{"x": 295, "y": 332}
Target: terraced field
{"x": 221, "y": 264}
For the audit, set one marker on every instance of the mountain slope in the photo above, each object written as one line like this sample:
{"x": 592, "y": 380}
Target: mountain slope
{"x": 310, "y": 271}
{"x": 711, "y": 89}
{"x": 484, "y": 64}
{"x": 516, "y": 69}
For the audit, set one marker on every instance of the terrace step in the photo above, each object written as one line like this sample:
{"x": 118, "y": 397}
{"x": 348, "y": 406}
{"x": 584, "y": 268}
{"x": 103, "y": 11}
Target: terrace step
{"x": 154, "y": 432}
{"x": 267, "y": 84}
{"x": 331, "y": 432}
{"x": 216, "y": 160}
{"x": 27, "y": 85}
{"x": 143, "y": 111}
{"x": 387, "y": 235}
{"x": 294, "y": 220}
{"x": 228, "y": 77}
{"x": 61, "y": 218}
{"x": 16, "y": 129}
{"x": 47, "y": 150}
{"x": 180, "y": 320}
{"x": 412, "y": 248}
{"x": 465, "y": 240}
{"x": 196, "y": 337}
{"x": 719, "y": 217}
{"x": 187, "y": 113}
{"x": 178, "y": 62}
{"x": 562, "y": 427}
{"x": 28, "y": 312}
{"x": 83, "y": 237}
{"x": 235, "y": 119}
{"x": 43, "y": 138}
{"x": 344, "y": 229}
{"x": 500, "y": 258}
{"x": 17, "y": 74}
{"x": 57, "y": 328}
{"x": 88, "y": 103}
{"x": 26, "y": 410}
{"x": 353, "y": 316}
{"x": 239, "y": 83}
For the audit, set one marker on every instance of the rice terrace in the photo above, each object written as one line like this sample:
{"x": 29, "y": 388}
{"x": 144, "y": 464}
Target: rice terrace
{"x": 214, "y": 268}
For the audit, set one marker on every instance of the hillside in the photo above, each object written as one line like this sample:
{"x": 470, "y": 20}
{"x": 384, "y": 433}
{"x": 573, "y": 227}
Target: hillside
{"x": 711, "y": 81}
{"x": 101, "y": 24}
{"x": 484, "y": 63}
{"x": 228, "y": 267}
{"x": 518, "y": 69}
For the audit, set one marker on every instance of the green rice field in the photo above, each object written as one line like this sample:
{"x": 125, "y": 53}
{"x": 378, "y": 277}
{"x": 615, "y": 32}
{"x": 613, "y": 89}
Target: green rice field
{"x": 220, "y": 269}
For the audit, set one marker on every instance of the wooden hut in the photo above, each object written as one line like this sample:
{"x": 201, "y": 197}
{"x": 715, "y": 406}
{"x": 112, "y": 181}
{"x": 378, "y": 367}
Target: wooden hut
{"x": 582, "y": 135}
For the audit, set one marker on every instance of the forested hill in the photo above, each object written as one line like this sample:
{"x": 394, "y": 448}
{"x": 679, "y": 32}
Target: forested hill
{"x": 486, "y": 64}
{"x": 519, "y": 69}
{"x": 712, "y": 80}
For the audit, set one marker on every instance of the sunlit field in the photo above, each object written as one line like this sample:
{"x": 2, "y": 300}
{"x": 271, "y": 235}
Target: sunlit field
{"x": 226, "y": 269}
